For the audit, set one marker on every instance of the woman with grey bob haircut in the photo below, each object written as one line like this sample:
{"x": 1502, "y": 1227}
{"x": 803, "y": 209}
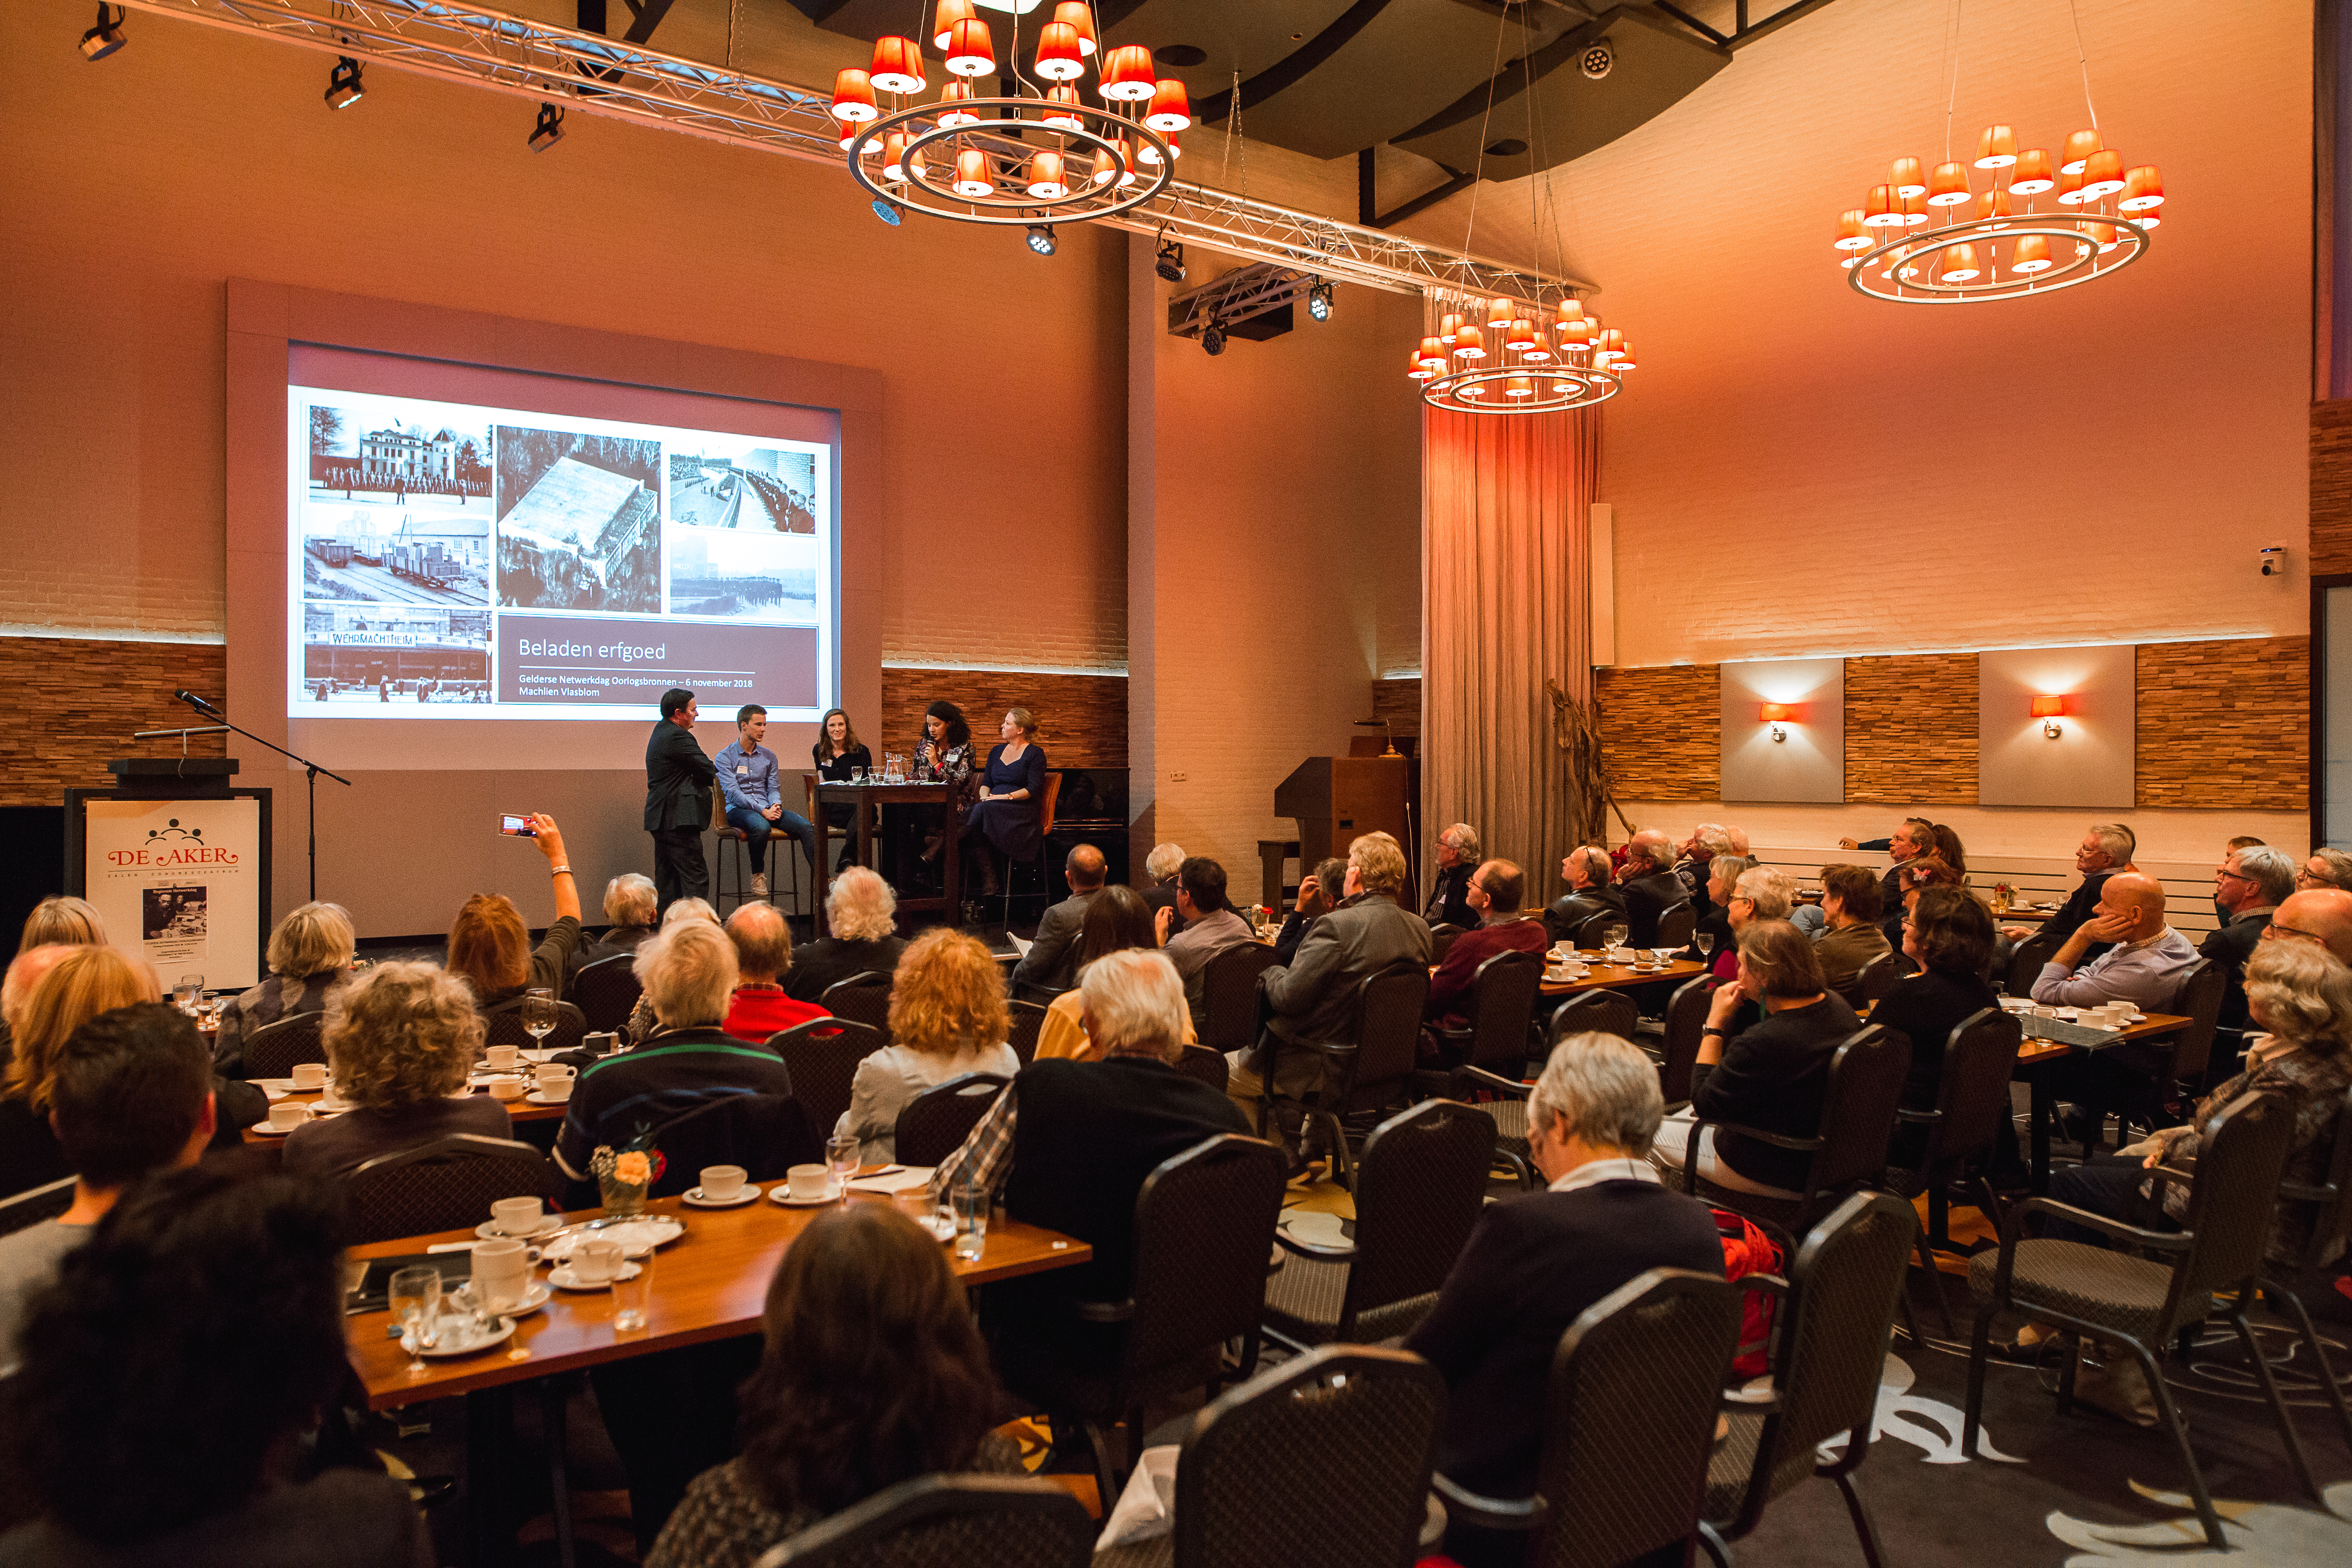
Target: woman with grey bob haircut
{"x": 310, "y": 954}
{"x": 400, "y": 1040}
{"x": 1601, "y": 1091}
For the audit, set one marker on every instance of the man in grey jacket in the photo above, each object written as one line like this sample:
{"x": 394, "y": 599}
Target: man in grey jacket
{"x": 1052, "y": 961}
{"x": 1313, "y": 997}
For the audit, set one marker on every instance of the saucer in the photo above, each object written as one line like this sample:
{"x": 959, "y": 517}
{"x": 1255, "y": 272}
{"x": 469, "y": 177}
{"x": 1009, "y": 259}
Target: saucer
{"x": 783, "y": 1193}
{"x": 323, "y": 1106}
{"x": 489, "y": 1229}
{"x": 534, "y": 1299}
{"x": 502, "y": 1330}
{"x": 636, "y": 1236}
{"x": 266, "y": 1131}
{"x": 539, "y": 1097}
{"x": 562, "y": 1278}
{"x": 693, "y": 1195}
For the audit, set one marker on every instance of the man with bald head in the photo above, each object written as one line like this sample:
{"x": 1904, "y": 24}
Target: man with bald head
{"x": 2323, "y": 915}
{"x": 1052, "y": 961}
{"x": 1649, "y": 884}
{"x": 2144, "y": 966}
{"x": 764, "y": 951}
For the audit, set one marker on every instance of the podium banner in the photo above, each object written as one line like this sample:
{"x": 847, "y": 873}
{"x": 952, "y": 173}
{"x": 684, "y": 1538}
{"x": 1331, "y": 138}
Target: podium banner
{"x": 182, "y": 883}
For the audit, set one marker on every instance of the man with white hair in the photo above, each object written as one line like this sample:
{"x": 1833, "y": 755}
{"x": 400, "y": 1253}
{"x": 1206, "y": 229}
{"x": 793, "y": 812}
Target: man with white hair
{"x": 1707, "y": 841}
{"x": 1449, "y": 891}
{"x": 1162, "y": 865}
{"x": 2106, "y": 851}
{"x": 2249, "y": 885}
{"x": 632, "y": 907}
{"x": 1649, "y": 884}
{"x": 1914, "y": 838}
{"x": 1589, "y": 892}
{"x": 1533, "y": 1265}
{"x": 862, "y": 914}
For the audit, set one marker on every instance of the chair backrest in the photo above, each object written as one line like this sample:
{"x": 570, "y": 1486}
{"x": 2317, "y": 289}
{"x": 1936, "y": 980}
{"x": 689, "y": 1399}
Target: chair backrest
{"x": 1685, "y": 1020}
{"x": 862, "y": 998}
{"x": 822, "y": 1055}
{"x": 949, "y": 1521}
{"x": 2199, "y": 1000}
{"x": 1209, "y": 1066}
{"x": 273, "y": 1050}
{"x": 1441, "y": 940}
{"x": 935, "y": 1123}
{"x": 1228, "y": 1020}
{"x": 20, "y": 1211}
{"x": 1588, "y": 935}
{"x": 1875, "y": 979}
{"x": 1858, "y": 1111}
{"x": 503, "y": 1026}
{"x": 606, "y": 991}
{"x": 2332, "y": 1197}
{"x": 1323, "y": 1462}
{"x": 2025, "y": 964}
{"x": 1421, "y": 1183}
{"x": 1204, "y": 1230}
{"x": 1629, "y": 1418}
{"x": 1675, "y": 923}
{"x": 443, "y": 1185}
{"x": 767, "y": 1134}
{"x": 1028, "y": 1018}
{"x": 1388, "y": 1005}
{"x": 1598, "y": 1012}
{"x": 1502, "y": 1003}
{"x": 1972, "y": 1092}
{"x": 2241, "y": 1159}
{"x": 1052, "y": 799}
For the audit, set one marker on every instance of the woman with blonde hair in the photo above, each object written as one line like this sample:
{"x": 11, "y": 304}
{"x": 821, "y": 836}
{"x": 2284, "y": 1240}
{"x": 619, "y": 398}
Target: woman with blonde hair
{"x": 310, "y": 954}
{"x": 1009, "y": 812}
{"x": 62, "y": 921}
{"x": 947, "y": 1018}
{"x": 400, "y": 1041}
{"x": 489, "y": 945}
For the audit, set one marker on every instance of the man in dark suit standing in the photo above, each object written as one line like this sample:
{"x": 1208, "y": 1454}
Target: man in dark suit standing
{"x": 1588, "y": 893}
{"x": 677, "y": 801}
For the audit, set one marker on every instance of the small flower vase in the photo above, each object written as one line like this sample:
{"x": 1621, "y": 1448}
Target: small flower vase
{"x": 622, "y": 1200}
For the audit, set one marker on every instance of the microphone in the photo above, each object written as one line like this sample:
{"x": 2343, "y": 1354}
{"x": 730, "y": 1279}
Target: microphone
{"x": 192, "y": 700}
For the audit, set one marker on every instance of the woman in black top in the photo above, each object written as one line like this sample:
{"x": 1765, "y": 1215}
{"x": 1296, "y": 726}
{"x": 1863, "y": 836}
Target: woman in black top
{"x": 1951, "y": 936}
{"x": 837, "y": 754}
{"x": 1010, "y": 812}
{"x": 943, "y": 755}
{"x": 1772, "y": 1075}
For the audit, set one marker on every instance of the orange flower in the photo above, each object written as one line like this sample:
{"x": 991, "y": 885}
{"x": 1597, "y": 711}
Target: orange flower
{"x": 633, "y": 1168}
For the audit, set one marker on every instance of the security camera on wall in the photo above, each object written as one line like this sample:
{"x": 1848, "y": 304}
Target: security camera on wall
{"x": 2274, "y": 560}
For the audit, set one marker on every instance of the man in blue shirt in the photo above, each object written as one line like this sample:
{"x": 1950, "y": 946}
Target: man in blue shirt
{"x": 750, "y": 779}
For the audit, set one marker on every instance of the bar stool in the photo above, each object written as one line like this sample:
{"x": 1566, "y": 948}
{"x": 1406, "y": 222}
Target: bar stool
{"x": 780, "y": 861}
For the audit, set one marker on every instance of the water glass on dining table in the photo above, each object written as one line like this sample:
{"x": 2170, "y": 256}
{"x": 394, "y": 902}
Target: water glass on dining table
{"x": 188, "y": 992}
{"x": 415, "y": 1301}
{"x": 841, "y": 1155}
{"x": 633, "y": 1298}
{"x": 970, "y": 1220}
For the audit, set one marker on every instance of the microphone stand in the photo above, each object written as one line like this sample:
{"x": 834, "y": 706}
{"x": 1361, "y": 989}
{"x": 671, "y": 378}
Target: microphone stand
{"x": 310, "y": 768}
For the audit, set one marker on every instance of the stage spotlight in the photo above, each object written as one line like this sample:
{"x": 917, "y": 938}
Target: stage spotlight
{"x": 1171, "y": 263}
{"x": 1213, "y": 339}
{"x": 549, "y": 129}
{"x": 343, "y": 87}
{"x": 1041, "y": 238}
{"x": 888, "y": 211}
{"x": 1319, "y": 301}
{"x": 106, "y": 36}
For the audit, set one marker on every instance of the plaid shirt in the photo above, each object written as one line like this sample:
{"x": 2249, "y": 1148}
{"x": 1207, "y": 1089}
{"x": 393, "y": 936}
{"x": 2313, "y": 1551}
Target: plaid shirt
{"x": 986, "y": 1156}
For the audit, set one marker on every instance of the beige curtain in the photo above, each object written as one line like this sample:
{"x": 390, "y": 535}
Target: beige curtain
{"x": 1506, "y": 507}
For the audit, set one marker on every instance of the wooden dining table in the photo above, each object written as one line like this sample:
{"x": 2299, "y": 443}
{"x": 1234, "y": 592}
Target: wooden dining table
{"x": 1602, "y": 976}
{"x": 867, "y": 800}
{"x": 2034, "y": 1060}
{"x": 519, "y": 1112}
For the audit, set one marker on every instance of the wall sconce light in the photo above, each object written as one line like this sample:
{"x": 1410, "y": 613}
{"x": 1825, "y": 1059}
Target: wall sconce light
{"x": 1775, "y": 714}
{"x": 2047, "y": 710}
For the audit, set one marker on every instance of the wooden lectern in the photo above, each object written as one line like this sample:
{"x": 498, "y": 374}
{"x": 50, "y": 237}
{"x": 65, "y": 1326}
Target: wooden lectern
{"x": 1335, "y": 799}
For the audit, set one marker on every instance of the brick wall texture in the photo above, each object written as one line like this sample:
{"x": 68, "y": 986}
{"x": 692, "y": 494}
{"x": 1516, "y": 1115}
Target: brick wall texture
{"x": 73, "y": 705}
{"x": 2225, "y": 724}
{"x": 2331, "y": 488}
{"x": 1911, "y": 729}
{"x": 1081, "y": 718}
{"x": 1661, "y": 730}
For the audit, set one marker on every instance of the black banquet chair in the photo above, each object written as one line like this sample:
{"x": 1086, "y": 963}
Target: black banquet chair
{"x": 767, "y": 1134}
{"x": 503, "y": 1026}
{"x": 607, "y": 991}
{"x": 274, "y": 1050}
{"x": 1028, "y": 1018}
{"x": 935, "y": 1123}
{"x": 863, "y": 999}
{"x": 447, "y": 1183}
{"x": 22, "y": 1211}
{"x": 1594, "y": 1011}
{"x": 1228, "y": 1019}
{"x": 1373, "y": 1071}
{"x": 822, "y": 1055}
{"x": 2311, "y": 1273}
{"x": 1502, "y": 1003}
{"x": 1210, "y": 1067}
{"x": 949, "y": 1521}
{"x": 1857, "y": 1124}
{"x": 1961, "y": 1133}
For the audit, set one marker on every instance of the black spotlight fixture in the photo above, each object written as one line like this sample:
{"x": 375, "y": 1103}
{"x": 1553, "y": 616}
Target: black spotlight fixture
{"x": 888, "y": 211}
{"x": 106, "y": 36}
{"x": 343, "y": 87}
{"x": 549, "y": 129}
{"x": 1171, "y": 262}
{"x": 1213, "y": 339}
{"x": 1319, "y": 301}
{"x": 1041, "y": 238}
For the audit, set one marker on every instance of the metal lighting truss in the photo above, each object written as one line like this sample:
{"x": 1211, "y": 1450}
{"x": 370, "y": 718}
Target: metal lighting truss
{"x": 627, "y": 81}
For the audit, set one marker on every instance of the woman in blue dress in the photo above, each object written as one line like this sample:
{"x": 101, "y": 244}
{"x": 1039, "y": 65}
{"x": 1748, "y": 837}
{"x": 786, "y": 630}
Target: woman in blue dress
{"x": 1009, "y": 812}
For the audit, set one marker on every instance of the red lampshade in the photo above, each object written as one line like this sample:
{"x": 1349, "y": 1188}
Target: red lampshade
{"x": 897, "y": 65}
{"x": 1418, "y": 368}
{"x": 1519, "y": 386}
{"x": 1536, "y": 350}
{"x": 1612, "y": 346}
{"x": 972, "y": 176}
{"x": 2030, "y": 254}
{"x": 1109, "y": 166}
{"x": 954, "y": 93}
{"x": 970, "y": 51}
{"x": 944, "y": 16}
{"x": 1907, "y": 178}
{"x": 2102, "y": 235}
{"x": 1520, "y": 334}
{"x": 1626, "y": 363}
{"x": 1997, "y": 148}
{"x": 1171, "y": 107}
{"x": 1057, "y": 53}
{"x": 2103, "y": 176}
{"x": 1775, "y": 712}
{"x": 1127, "y": 74}
{"x": 1883, "y": 208}
{"x": 894, "y": 155}
{"x": 2078, "y": 150}
{"x": 2143, "y": 190}
{"x": 1433, "y": 351}
{"x": 1078, "y": 16}
{"x": 853, "y": 97}
{"x": 1576, "y": 335}
{"x": 2033, "y": 174}
{"x": 1045, "y": 181}
{"x": 1469, "y": 342}
{"x": 1959, "y": 264}
{"x": 1992, "y": 205}
{"x": 2070, "y": 188}
{"x": 1949, "y": 187}
{"x": 1125, "y": 164}
{"x": 1915, "y": 212}
{"x": 1447, "y": 326}
{"x": 1061, "y": 108}
{"x": 2049, "y": 707}
{"x": 1571, "y": 310}
{"x": 1175, "y": 148}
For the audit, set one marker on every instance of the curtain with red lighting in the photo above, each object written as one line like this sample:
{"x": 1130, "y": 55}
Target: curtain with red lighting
{"x": 1507, "y": 504}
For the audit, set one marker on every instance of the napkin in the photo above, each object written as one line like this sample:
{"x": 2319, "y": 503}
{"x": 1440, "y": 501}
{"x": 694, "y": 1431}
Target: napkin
{"x": 1148, "y": 1507}
{"x": 900, "y": 1181}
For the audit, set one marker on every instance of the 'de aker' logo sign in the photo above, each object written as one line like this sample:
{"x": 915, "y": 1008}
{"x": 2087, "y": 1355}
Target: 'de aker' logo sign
{"x": 169, "y": 846}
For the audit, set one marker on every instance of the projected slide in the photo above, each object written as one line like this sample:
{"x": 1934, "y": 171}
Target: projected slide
{"x": 496, "y": 563}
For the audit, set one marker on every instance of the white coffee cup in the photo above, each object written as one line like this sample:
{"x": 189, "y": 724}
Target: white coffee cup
{"x": 724, "y": 1182}
{"x": 515, "y": 1216}
{"x": 288, "y": 1114}
{"x": 809, "y": 1182}
{"x": 502, "y": 1273}
{"x": 309, "y": 1075}
{"x": 507, "y": 1086}
{"x": 596, "y": 1260}
{"x": 554, "y": 1082}
{"x": 502, "y": 1057}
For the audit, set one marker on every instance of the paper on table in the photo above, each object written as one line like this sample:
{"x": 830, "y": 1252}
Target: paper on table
{"x": 900, "y": 1181}
{"x": 1020, "y": 946}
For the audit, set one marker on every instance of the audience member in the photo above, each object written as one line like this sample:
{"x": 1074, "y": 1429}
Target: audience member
{"x": 1162, "y": 865}
{"x": 489, "y": 945}
{"x": 872, "y": 1373}
{"x": 1922, "y": 872}
{"x": 1201, "y": 926}
{"x": 1950, "y": 933}
{"x": 23, "y": 972}
{"x": 862, "y": 914}
{"x": 1313, "y": 997}
{"x": 130, "y": 1092}
{"x": 2145, "y": 964}
{"x": 1449, "y": 889}
{"x": 1772, "y": 1076}
{"x": 2323, "y": 915}
{"x": 1051, "y": 963}
{"x": 1707, "y": 841}
{"x": 1851, "y": 938}
{"x": 630, "y": 908}
{"x": 1949, "y": 851}
{"x": 2106, "y": 851}
{"x": 1806, "y": 914}
{"x": 2250, "y": 885}
{"x": 1116, "y": 923}
{"x": 2325, "y": 868}
{"x": 174, "y": 1377}
{"x": 2243, "y": 841}
{"x": 1585, "y": 870}
{"x": 309, "y": 955}
{"x": 1723, "y": 874}
{"x": 1319, "y": 894}
{"x": 688, "y": 909}
{"x": 1915, "y": 836}
{"x": 62, "y": 920}
{"x": 1496, "y": 889}
{"x": 948, "y": 1017}
{"x": 763, "y": 953}
{"x": 1532, "y": 1267}
{"x": 1649, "y": 884}
{"x": 400, "y": 1039}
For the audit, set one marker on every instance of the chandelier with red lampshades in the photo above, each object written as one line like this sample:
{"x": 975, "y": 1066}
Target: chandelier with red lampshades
{"x": 2040, "y": 223}
{"x": 1048, "y": 154}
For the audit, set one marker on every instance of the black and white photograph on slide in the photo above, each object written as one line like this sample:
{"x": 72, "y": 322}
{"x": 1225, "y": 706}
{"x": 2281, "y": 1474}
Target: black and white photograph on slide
{"x": 173, "y": 914}
{"x": 756, "y": 490}
{"x": 355, "y": 654}
{"x": 405, "y": 557}
{"x": 397, "y": 453}
{"x": 579, "y": 521}
{"x": 740, "y": 576}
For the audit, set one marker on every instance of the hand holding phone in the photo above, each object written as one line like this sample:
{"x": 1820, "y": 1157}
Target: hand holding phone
{"x": 515, "y": 826}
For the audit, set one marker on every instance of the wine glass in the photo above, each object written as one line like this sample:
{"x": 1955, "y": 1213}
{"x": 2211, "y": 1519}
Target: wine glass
{"x": 538, "y": 1015}
{"x": 1704, "y": 942}
{"x": 1613, "y": 936}
{"x": 415, "y": 1295}
{"x": 188, "y": 992}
